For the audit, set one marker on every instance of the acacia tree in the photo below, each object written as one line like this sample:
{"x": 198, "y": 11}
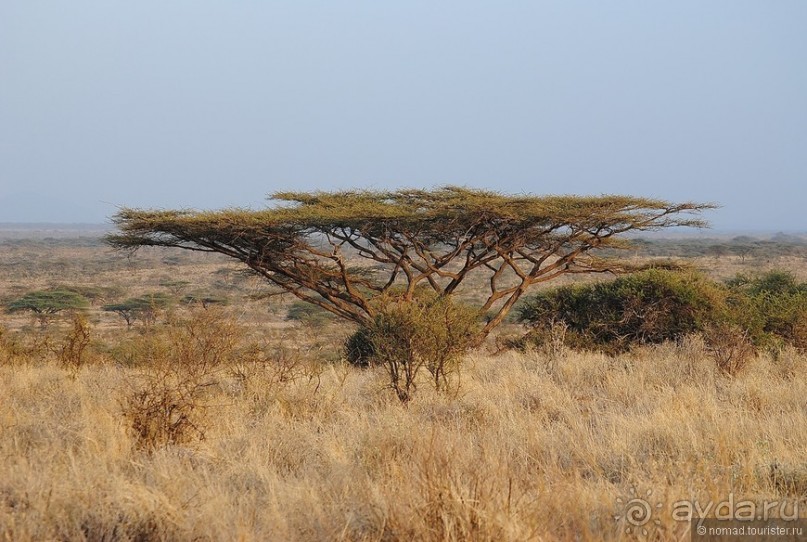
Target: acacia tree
{"x": 144, "y": 307}
{"x": 47, "y": 303}
{"x": 307, "y": 244}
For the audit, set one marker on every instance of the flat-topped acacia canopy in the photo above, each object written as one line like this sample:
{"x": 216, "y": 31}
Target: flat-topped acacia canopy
{"x": 307, "y": 243}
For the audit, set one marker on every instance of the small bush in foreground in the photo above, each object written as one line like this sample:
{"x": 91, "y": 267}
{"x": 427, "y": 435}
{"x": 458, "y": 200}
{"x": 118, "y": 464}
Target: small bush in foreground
{"x": 166, "y": 403}
{"x": 165, "y": 409}
{"x": 430, "y": 332}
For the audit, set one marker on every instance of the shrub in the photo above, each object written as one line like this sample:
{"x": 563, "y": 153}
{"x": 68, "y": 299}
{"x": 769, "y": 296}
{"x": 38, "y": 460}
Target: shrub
{"x": 71, "y": 349}
{"x": 359, "y": 348}
{"x": 777, "y": 304}
{"x": 430, "y": 332}
{"x": 166, "y": 403}
{"x": 730, "y": 346}
{"x": 653, "y": 306}
{"x": 772, "y": 283}
{"x": 644, "y": 308}
{"x": 164, "y": 411}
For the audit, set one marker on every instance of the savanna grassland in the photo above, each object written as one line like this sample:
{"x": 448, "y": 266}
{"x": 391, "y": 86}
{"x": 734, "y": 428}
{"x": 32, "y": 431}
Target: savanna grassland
{"x": 239, "y": 419}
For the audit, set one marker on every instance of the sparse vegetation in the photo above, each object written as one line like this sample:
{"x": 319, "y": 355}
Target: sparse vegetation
{"x": 232, "y": 422}
{"x": 525, "y": 441}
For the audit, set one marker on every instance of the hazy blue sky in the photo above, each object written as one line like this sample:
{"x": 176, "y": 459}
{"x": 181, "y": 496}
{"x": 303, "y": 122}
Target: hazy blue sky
{"x": 203, "y": 103}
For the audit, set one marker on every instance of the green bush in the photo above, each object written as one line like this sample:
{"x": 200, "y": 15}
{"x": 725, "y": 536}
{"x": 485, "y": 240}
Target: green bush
{"x": 772, "y": 283}
{"x": 644, "y": 308}
{"x": 659, "y": 305}
{"x": 777, "y": 304}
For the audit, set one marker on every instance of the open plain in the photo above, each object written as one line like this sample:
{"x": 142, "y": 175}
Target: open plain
{"x": 239, "y": 419}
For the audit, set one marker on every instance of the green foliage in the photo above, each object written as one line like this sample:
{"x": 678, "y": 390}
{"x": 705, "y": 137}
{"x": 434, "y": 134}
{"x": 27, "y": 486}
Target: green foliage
{"x": 659, "y": 305}
{"x": 778, "y": 305}
{"x": 644, "y": 308}
{"x": 429, "y": 332}
{"x": 772, "y": 283}
{"x": 49, "y": 302}
{"x": 46, "y": 303}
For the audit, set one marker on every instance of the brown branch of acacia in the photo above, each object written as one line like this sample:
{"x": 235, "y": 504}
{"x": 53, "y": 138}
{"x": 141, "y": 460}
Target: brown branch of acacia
{"x": 338, "y": 258}
{"x": 311, "y": 276}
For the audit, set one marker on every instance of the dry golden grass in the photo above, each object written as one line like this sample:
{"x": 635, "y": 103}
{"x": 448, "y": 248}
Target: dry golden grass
{"x": 296, "y": 446}
{"x": 532, "y": 448}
